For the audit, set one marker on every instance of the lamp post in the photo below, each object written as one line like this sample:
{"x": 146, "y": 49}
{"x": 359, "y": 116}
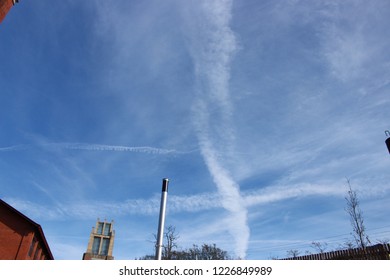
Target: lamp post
{"x": 161, "y": 221}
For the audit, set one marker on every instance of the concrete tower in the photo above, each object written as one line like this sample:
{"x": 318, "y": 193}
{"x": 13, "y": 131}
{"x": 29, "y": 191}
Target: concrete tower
{"x": 101, "y": 242}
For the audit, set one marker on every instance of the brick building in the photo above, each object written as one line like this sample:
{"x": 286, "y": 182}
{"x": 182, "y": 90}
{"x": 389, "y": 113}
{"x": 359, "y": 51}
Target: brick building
{"x": 101, "y": 242}
{"x": 20, "y": 237}
{"x": 5, "y": 6}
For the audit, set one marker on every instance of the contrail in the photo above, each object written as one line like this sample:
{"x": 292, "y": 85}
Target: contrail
{"x": 94, "y": 147}
{"x": 99, "y": 147}
{"x": 14, "y": 148}
{"x": 213, "y": 48}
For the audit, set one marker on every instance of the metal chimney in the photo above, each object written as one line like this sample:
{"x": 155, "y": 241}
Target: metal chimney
{"x": 160, "y": 234}
{"x": 388, "y": 140}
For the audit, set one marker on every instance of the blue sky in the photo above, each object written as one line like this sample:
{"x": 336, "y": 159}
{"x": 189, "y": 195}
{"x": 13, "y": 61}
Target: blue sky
{"x": 257, "y": 112}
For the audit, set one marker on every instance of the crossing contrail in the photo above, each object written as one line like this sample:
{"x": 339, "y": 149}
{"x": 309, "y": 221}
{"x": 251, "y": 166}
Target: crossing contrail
{"x": 214, "y": 45}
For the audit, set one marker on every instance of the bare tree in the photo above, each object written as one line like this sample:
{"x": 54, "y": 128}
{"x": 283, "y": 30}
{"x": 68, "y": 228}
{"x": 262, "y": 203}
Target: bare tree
{"x": 319, "y": 247}
{"x": 171, "y": 238}
{"x": 292, "y": 253}
{"x": 170, "y": 251}
{"x": 348, "y": 244}
{"x": 205, "y": 252}
{"x": 383, "y": 241}
{"x": 169, "y": 243}
{"x": 356, "y": 218}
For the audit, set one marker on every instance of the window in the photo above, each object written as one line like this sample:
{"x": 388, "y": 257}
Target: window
{"x": 105, "y": 245}
{"x": 100, "y": 228}
{"x": 96, "y": 245}
{"x": 107, "y": 228}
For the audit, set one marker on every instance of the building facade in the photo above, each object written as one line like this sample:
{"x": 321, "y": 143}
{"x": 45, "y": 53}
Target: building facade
{"x": 5, "y": 6}
{"x": 20, "y": 237}
{"x": 101, "y": 242}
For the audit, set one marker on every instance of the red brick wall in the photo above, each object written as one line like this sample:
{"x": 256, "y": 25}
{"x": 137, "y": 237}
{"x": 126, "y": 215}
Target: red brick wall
{"x": 15, "y": 236}
{"x": 5, "y": 6}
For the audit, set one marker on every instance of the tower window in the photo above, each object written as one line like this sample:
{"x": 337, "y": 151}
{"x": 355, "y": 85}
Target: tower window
{"x": 100, "y": 228}
{"x": 107, "y": 228}
{"x": 96, "y": 245}
{"x": 105, "y": 244}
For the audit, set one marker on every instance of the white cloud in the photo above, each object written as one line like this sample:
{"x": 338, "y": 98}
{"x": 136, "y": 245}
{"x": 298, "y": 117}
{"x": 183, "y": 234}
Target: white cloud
{"x": 214, "y": 45}
{"x": 353, "y": 43}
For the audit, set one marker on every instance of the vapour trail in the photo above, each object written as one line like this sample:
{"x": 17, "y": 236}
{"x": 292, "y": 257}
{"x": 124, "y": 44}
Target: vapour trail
{"x": 213, "y": 47}
{"x": 180, "y": 204}
{"x": 99, "y": 147}
{"x": 15, "y": 148}
{"x": 93, "y": 147}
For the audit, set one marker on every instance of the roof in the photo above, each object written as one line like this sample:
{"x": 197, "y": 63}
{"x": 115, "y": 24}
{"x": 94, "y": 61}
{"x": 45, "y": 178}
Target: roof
{"x": 38, "y": 228}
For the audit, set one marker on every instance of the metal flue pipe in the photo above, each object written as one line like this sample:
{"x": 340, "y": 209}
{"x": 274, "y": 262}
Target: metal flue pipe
{"x": 160, "y": 234}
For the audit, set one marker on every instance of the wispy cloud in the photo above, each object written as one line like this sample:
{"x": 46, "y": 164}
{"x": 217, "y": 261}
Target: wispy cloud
{"x": 214, "y": 45}
{"x": 91, "y": 209}
{"x": 352, "y": 42}
{"x": 195, "y": 203}
{"x": 280, "y": 193}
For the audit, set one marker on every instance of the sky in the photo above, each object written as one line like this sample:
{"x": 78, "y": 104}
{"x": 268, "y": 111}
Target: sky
{"x": 258, "y": 112}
